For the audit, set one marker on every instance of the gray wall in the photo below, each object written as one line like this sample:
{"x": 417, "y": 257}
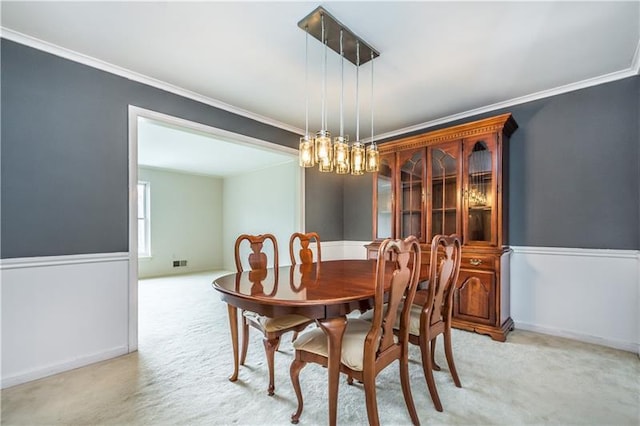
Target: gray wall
{"x": 64, "y": 166}
{"x": 574, "y": 169}
{"x": 574, "y": 181}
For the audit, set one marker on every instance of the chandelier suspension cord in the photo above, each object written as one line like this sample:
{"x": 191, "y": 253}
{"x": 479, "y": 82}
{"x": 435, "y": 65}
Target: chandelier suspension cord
{"x": 357, "y": 95}
{"x": 324, "y": 77}
{"x": 306, "y": 82}
{"x": 373, "y": 143}
{"x": 341, "y": 87}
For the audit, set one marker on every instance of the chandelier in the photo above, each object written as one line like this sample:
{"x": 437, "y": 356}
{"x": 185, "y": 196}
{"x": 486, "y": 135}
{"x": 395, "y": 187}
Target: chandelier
{"x": 339, "y": 155}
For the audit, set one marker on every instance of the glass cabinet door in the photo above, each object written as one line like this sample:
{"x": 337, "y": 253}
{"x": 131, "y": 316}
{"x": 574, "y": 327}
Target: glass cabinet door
{"x": 444, "y": 199}
{"x": 411, "y": 194}
{"x": 384, "y": 218}
{"x": 480, "y": 190}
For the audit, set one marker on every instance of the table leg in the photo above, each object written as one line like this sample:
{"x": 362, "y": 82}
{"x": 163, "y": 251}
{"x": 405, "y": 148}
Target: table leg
{"x": 334, "y": 329}
{"x": 233, "y": 324}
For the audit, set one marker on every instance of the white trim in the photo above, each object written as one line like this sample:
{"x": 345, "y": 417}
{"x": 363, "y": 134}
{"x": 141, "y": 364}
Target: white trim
{"x": 590, "y": 82}
{"x": 35, "y": 262}
{"x": 71, "y": 364}
{"x": 611, "y": 343}
{"x": 551, "y": 251}
{"x": 71, "y": 55}
{"x": 222, "y": 134}
{"x": 132, "y": 285}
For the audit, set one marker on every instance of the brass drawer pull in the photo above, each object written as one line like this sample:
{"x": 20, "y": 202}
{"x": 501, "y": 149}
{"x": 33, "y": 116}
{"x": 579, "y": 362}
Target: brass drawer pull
{"x": 475, "y": 262}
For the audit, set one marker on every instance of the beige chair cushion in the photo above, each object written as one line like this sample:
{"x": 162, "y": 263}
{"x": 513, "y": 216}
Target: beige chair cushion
{"x": 276, "y": 324}
{"x": 414, "y": 320}
{"x": 315, "y": 341}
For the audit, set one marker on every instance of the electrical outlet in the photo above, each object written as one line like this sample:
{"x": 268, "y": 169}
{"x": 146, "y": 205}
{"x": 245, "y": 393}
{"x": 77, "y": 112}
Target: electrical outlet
{"x": 183, "y": 263}
{"x": 176, "y": 263}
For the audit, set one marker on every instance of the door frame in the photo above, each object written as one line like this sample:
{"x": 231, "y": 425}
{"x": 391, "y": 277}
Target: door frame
{"x": 134, "y": 113}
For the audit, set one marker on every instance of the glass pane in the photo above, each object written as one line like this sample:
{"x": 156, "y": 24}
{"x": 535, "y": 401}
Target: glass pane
{"x": 142, "y": 240}
{"x": 411, "y": 196}
{"x": 444, "y": 192}
{"x": 384, "y": 216}
{"x": 141, "y": 200}
{"x": 480, "y": 193}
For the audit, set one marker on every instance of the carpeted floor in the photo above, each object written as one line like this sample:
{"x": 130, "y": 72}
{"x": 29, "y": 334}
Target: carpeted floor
{"x": 179, "y": 377}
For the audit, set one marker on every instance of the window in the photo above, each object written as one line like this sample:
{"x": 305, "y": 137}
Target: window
{"x": 144, "y": 228}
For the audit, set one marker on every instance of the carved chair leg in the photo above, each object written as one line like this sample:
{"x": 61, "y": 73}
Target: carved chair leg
{"x": 245, "y": 339}
{"x": 294, "y": 372}
{"x": 270, "y": 346}
{"x": 349, "y": 379}
{"x": 295, "y": 336}
{"x": 436, "y": 367}
{"x": 448, "y": 349}
{"x": 428, "y": 372}
{"x": 406, "y": 387}
{"x": 371, "y": 399}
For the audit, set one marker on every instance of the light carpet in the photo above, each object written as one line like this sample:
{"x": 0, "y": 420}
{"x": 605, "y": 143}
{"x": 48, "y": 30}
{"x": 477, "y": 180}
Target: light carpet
{"x": 179, "y": 377}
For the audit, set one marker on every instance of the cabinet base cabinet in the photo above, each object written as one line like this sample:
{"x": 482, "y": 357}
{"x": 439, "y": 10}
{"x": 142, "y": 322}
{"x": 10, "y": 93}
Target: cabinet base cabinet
{"x": 496, "y": 333}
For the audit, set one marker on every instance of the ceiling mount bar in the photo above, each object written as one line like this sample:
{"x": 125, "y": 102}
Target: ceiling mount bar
{"x": 312, "y": 24}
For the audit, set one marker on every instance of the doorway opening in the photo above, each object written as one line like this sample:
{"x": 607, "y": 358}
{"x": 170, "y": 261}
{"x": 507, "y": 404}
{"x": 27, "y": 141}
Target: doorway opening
{"x": 203, "y": 187}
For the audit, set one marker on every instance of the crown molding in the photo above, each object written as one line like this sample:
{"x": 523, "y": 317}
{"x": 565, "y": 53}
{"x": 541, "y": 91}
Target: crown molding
{"x": 634, "y": 69}
{"x": 71, "y": 55}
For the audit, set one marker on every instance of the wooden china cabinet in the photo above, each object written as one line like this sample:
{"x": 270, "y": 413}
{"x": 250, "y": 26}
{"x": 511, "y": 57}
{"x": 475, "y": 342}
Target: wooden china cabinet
{"x": 454, "y": 180}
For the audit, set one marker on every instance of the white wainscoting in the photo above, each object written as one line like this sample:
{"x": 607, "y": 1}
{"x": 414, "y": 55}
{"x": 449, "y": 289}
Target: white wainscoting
{"x": 64, "y": 312}
{"x": 583, "y": 294}
{"x": 61, "y": 313}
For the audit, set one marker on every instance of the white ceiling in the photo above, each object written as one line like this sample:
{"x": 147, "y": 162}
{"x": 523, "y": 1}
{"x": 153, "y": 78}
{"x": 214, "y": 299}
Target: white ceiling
{"x": 438, "y": 60}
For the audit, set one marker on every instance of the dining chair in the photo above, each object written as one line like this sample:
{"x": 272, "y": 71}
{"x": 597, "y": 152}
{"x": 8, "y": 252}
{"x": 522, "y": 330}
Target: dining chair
{"x": 432, "y": 309}
{"x": 271, "y": 328}
{"x": 305, "y": 254}
{"x": 369, "y": 347}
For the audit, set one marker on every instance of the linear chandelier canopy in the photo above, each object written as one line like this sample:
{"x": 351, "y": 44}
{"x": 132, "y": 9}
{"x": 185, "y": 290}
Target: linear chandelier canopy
{"x": 332, "y": 27}
{"x": 339, "y": 155}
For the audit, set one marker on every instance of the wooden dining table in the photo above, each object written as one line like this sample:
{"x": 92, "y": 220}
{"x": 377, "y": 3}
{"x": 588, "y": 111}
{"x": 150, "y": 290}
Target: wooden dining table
{"x": 325, "y": 292}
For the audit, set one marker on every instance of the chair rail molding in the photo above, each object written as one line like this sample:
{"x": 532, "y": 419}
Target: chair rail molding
{"x": 61, "y": 313}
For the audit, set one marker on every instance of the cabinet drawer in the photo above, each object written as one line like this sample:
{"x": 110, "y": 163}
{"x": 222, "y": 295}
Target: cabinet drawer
{"x": 478, "y": 262}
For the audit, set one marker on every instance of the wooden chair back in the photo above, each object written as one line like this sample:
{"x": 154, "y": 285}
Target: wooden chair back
{"x": 401, "y": 290}
{"x": 446, "y": 254}
{"x": 257, "y": 258}
{"x": 305, "y": 253}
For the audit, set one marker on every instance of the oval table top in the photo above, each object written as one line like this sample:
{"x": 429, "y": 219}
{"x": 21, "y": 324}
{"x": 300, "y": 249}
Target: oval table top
{"x": 319, "y": 290}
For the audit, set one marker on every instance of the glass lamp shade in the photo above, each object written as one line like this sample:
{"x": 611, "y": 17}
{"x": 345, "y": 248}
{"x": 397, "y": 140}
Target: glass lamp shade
{"x": 373, "y": 158}
{"x": 341, "y": 155}
{"x": 307, "y": 154}
{"x": 324, "y": 150}
{"x": 357, "y": 158}
{"x": 325, "y": 165}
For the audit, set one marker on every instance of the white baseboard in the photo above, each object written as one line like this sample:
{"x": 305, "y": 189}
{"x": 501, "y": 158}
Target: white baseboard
{"x": 49, "y": 370}
{"x": 611, "y": 343}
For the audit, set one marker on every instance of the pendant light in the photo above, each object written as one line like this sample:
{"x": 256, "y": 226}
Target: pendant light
{"x": 357, "y": 149}
{"x": 340, "y": 145}
{"x": 307, "y": 154}
{"x": 324, "y": 150}
{"x": 373, "y": 156}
